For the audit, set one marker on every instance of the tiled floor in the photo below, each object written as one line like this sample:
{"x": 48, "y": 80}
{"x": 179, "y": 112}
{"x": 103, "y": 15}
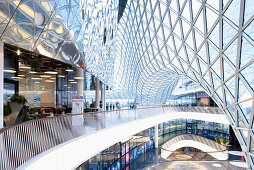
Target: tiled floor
{"x": 193, "y": 165}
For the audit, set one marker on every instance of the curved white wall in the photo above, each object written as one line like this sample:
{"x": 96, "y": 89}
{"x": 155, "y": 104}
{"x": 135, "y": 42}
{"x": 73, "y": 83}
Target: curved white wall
{"x": 73, "y": 153}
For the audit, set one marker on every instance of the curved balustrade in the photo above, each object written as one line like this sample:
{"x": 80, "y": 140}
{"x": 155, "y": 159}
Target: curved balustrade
{"x": 22, "y": 142}
{"x": 206, "y": 145}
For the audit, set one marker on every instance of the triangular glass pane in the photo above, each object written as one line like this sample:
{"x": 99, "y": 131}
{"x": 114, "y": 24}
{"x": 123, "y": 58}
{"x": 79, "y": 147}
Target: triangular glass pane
{"x": 231, "y": 85}
{"x": 195, "y": 7}
{"x": 173, "y": 5}
{"x": 186, "y": 27}
{"x": 189, "y": 41}
{"x": 199, "y": 39}
{"x": 248, "y": 10}
{"x": 233, "y": 11}
{"x": 202, "y": 53}
{"x": 231, "y": 52}
{"x": 214, "y": 4}
{"x": 211, "y": 18}
{"x": 186, "y": 11}
{"x": 243, "y": 92}
{"x": 219, "y": 93}
{"x": 228, "y": 71}
{"x": 216, "y": 80}
{"x": 229, "y": 99}
{"x": 203, "y": 66}
{"x": 246, "y": 53}
{"x": 173, "y": 17}
{"x": 228, "y": 33}
{"x": 200, "y": 22}
{"x": 248, "y": 73}
{"x": 177, "y": 30}
{"x": 212, "y": 53}
{"x": 217, "y": 68}
{"x": 207, "y": 78}
{"x": 231, "y": 110}
{"x": 194, "y": 65}
{"x": 250, "y": 30}
{"x": 214, "y": 36}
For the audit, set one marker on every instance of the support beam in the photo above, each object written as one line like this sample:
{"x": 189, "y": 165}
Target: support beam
{"x": 156, "y": 136}
{"x": 103, "y": 97}
{"x": 97, "y": 93}
{"x": 1, "y": 84}
{"x": 80, "y": 82}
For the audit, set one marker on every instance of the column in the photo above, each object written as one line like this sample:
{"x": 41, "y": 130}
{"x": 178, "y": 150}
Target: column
{"x": 80, "y": 82}
{"x": 1, "y": 84}
{"x": 97, "y": 93}
{"x": 156, "y": 134}
{"x": 103, "y": 97}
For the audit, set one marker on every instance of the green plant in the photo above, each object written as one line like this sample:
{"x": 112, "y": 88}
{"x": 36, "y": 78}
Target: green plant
{"x": 7, "y": 110}
{"x": 25, "y": 117}
{"x": 18, "y": 99}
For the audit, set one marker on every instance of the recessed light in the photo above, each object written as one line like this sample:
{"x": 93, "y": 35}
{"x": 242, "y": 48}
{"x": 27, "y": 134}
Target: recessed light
{"x": 65, "y": 85}
{"x": 25, "y": 67}
{"x": 36, "y": 78}
{"x": 16, "y": 78}
{"x": 69, "y": 70}
{"x": 69, "y": 87}
{"x": 51, "y": 72}
{"x": 37, "y": 82}
{"x": 61, "y": 76}
{"x": 32, "y": 72}
{"x": 18, "y": 52}
{"x": 21, "y": 75}
{"x": 53, "y": 78}
{"x": 73, "y": 82}
{"x": 49, "y": 81}
{"x": 9, "y": 71}
{"x": 79, "y": 78}
{"x": 45, "y": 76}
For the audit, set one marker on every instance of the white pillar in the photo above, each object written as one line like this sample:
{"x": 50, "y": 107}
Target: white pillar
{"x": 97, "y": 93}
{"x": 1, "y": 84}
{"x": 156, "y": 134}
{"x": 103, "y": 97}
{"x": 80, "y": 82}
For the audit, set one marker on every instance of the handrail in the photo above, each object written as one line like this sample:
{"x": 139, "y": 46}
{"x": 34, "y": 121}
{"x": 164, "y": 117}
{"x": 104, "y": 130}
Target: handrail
{"x": 22, "y": 142}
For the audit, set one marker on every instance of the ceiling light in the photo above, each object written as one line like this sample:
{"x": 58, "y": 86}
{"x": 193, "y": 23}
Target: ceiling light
{"x": 9, "y": 71}
{"x": 61, "y": 76}
{"x": 53, "y": 78}
{"x": 37, "y": 82}
{"x": 25, "y": 67}
{"x": 65, "y": 85}
{"x": 18, "y": 52}
{"x": 49, "y": 81}
{"x": 69, "y": 70}
{"x": 45, "y": 76}
{"x": 69, "y": 87}
{"x": 79, "y": 78}
{"x": 73, "y": 82}
{"x": 16, "y": 78}
{"x": 36, "y": 78}
{"x": 32, "y": 72}
{"x": 21, "y": 75}
{"x": 51, "y": 72}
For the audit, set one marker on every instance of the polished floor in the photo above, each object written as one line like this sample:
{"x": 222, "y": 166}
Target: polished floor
{"x": 193, "y": 165}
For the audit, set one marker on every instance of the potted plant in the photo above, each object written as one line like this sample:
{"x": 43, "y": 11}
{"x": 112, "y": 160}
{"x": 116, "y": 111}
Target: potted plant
{"x": 16, "y": 103}
{"x": 217, "y": 138}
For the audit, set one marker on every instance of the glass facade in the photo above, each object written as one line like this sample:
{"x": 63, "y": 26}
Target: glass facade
{"x": 154, "y": 44}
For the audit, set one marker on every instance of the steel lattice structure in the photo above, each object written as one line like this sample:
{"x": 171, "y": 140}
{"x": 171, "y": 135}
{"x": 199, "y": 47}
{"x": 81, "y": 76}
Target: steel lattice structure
{"x": 154, "y": 43}
{"x": 211, "y": 42}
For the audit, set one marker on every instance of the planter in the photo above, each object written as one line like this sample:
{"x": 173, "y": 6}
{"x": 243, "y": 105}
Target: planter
{"x": 217, "y": 140}
{"x": 11, "y": 119}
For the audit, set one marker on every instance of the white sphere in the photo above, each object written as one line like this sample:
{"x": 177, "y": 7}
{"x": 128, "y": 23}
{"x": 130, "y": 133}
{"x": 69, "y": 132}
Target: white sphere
{"x": 39, "y": 19}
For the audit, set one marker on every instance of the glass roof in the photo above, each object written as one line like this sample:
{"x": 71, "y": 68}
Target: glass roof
{"x": 155, "y": 42}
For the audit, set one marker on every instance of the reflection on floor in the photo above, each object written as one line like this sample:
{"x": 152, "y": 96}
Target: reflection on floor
{"x": 190, "y": 165}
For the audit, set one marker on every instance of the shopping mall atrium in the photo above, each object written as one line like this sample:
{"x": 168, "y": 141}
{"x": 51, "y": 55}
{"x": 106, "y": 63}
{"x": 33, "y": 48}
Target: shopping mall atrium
{"x": 126, "y": 84}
